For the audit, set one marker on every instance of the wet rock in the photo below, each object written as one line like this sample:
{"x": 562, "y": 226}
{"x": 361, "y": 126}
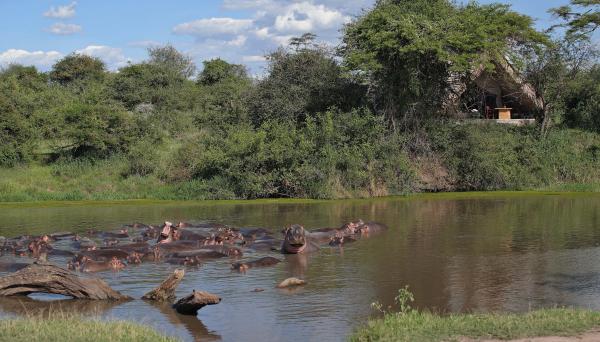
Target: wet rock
{"x": 291, "y": 282}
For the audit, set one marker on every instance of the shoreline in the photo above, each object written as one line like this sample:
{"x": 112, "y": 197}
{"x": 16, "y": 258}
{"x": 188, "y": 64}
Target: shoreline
{"x": 410, "y": 196}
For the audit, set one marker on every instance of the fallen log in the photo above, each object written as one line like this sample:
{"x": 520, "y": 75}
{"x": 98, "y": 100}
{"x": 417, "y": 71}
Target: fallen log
{"x": 166, "y": 290}
{"x": 42, "y": 277}
{"x": 190, "y": 305}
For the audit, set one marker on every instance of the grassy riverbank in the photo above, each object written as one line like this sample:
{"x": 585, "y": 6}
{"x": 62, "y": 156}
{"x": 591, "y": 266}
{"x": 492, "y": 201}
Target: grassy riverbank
{"x": 424, "y": 326}
{"x": 462, "y": 159}
{"x": 75, "y": 329}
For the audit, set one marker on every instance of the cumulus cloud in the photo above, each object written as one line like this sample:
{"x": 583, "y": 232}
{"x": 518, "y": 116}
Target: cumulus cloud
{"x": 253, "y": 59}
{"x": 64, "y": 29}
{"x": 266, "y": 25}
{"x": 61, "y": 12}
{"x": 307, "y": 17}
{"x": 213, "y": 27}
{"x": 39, "y": 59}
{"x": 145, "y": 44}
{"x": 113, "y": 57}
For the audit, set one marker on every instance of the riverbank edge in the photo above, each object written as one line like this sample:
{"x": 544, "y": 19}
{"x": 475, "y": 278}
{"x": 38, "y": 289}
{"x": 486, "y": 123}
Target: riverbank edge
{"x": 431, "y": 327}
{"x": 76, "y": 329}
{"x": 412, "y": 196}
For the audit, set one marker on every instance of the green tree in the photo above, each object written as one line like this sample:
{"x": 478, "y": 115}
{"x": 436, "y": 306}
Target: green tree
{"x": 217, "y": 70}
{"x": 77, "y": 67}
{"x": 582, "y": 16}
{"x": 300, "y": 82}
{"x": 170, "y": 59}
{"x": 94, "y": 130}
{"x": 222, "y": 94}
{"x": 410, "y": 52}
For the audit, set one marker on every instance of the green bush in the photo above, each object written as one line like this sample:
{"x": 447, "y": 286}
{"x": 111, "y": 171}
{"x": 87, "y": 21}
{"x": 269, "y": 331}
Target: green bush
{"x": 335, "y": 154}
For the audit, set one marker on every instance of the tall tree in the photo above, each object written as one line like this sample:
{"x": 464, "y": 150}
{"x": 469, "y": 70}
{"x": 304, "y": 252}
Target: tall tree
{"x": 410, "y": 52}
{"x": 77, "y": 67}
{"x": 167, "y": 56}
{"x": 582, "y": 16}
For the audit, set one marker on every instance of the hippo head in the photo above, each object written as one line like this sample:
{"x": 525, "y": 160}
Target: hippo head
{"x": 351, "y": 227}
{"x": 294, "y": 240}
{"x": 134, "y": 258}
{"x": 239, "y": 266}
{"x": 116, "y": 264}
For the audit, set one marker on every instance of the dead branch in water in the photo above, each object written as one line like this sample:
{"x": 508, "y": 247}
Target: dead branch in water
{"x": 190, "y": 305}
{"x": 166, "y": 290}
{"x": 42, "y": 277}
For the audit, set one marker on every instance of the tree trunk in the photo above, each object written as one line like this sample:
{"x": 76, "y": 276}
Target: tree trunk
{"x": 166, "y": 290}
{"x": 47, "y": 278}
{"x": 190, "y": 305}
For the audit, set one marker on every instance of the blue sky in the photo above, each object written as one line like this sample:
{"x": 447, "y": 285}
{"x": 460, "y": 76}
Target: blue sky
{"x": 39, "y": 32}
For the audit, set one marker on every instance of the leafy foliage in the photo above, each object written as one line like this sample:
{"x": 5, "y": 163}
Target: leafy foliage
{"x": 77, "y": 67}
{"x": 407, "y": 50}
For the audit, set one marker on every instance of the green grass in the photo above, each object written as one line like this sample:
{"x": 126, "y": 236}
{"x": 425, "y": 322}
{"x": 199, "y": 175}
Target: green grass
{"x": 75, "y": 329}
{"x": 424, "y": 326}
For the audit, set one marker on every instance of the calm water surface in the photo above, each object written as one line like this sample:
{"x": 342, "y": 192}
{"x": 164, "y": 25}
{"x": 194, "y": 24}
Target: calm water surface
{"x": 499, "y": 253}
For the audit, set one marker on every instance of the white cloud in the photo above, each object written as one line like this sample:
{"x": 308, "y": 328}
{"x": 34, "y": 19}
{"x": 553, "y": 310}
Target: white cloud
{"x": 245, "y": 4}
{"x": 64, "y": 29}
{"x": 39, "y": 59}
{"x": 113, "y": 57}
{"x": 253, "y": 59}
{"x": 61, "y": 12}
{"x": 306, "y": 17}
{"x": 265, "y": 25}
{"x": 212, "y": 27}
{"x": 145, "y": 44}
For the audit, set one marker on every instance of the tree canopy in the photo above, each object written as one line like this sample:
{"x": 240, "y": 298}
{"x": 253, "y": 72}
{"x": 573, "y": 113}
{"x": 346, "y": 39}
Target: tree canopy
{"x": 407, "y": 49}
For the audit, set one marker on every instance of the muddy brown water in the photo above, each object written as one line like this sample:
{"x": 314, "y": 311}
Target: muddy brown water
{"x": 499, "y": 252}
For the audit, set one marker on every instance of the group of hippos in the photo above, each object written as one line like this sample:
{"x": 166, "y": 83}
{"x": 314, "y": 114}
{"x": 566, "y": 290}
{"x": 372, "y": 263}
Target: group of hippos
{"x": 182, "y": 244}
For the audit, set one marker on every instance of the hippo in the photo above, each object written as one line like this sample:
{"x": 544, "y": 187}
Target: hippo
{"x": 183, "y": 234}
{"x": 254, "y": 233}
{"x": 262, "y": 262}
{"x": 370, "y": 228}
{"x": 121, "y": 234}
{"x": 187, "y": 261}
{"x": 104, "y": 254}
{"x": 168, "y": 233}
{"x": 39, "y": 246}
{"x": 140, "y": 247}
{"x": 265, "y": 245}
{"x": 60, "y": 252}
{"x": 229, "y": 250}
{"x": 340, "y": 240}
{"x": 89, "y": 265}
{"x": 62, "y": 236}
{"x": 296, "y": 241}
{"x": 199, "y": 253}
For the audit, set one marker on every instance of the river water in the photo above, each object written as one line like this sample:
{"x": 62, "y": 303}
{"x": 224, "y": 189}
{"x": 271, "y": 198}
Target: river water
{"x": 496, "y": 252}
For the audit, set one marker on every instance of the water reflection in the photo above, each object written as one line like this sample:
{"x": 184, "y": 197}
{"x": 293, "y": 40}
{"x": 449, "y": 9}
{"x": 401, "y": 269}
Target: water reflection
{"x": 502, "y": 253}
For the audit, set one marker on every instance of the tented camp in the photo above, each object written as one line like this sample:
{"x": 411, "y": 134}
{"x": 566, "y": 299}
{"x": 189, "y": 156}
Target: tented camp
{"x": 497, "y": 93}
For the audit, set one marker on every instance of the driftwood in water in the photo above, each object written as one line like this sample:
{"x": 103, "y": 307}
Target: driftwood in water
{"x": 289, "y": 282}
{"x": 47, "y": 278}
{"x": 190, "y": 305}
{"x": 166, "y": 290}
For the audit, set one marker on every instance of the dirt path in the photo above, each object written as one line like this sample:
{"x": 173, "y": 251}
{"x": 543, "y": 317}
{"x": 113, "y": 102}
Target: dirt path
{"x": 592, "y": 336}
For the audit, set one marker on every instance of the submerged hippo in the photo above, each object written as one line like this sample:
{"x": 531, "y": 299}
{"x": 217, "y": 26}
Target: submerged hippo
{"x": 262, "y": 262}
{"x": 370, "y": 228}
{"x": 187, "y": 261}
{"x": 296, "y": 241}
{"x": 89, "y": 265}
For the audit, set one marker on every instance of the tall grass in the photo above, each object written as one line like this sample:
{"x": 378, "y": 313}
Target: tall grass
{"x": 67, "y": 327}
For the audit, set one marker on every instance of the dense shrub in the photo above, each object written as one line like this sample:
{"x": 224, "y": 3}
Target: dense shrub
{"x": 335, "y": 154}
